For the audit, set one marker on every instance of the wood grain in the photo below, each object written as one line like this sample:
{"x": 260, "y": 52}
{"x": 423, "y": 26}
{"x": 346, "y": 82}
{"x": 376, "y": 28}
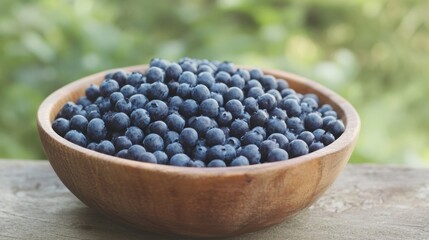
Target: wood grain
{"x": 366, "y": 202}
{"x": 196, "y": 202}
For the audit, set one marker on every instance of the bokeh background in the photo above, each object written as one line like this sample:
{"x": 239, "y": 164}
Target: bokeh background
{"x": 374, "y": 53}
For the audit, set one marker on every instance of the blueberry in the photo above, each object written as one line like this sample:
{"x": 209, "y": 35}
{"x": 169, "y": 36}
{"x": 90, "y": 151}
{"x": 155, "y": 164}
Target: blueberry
{"x": 324, "y": 108}
{"x": 173, "y": 72}
{"x": 326, "y": 120}
{"x": 335, "y": 127}
{"x": 327, "y": 138}
{"x": 123, "y": 106}
{"x": 268, "y": 82}
{"x": 201, "y": 125}
{"x": 290, "y": 136}
{"x": 188, "y": 66}
{"x": 92, "y": 115}
{"x": 147, "y": 157}
{"x": 180, "y": 159}
{"x": 122, "y": 154}
{"x": 61, "y": 126}
{"x": 240, "y": 161}
{"x": 275, "y": 125}
{"x": 96, "y": 130}
{"x": 216, "y": 163}
{"x": 251, "y": 105}
{"x": 277, "y": 155}
{"x": 209, "y": 108}
{"x": 83, "y": 101}
{"x": 236, "y": 81}
{"x": 173, "y": 149}
{"x": 318, "y": 134}
{"x": 69, "y": 110}
{"x": 256, "y": 74}
{"x": 105, "y": 147}
{"x": 115, "y": 97}
{"x": 92, "y": 92}
{"x": 153, "y": 142}
{"x": 92, "y": 107}
{"x": 206, "y": 78}
{"x": 158, "y": 127}
{"x": 121, "y": 143}
{"x": 197, "y": 164}
{"x": 107, "y": 118}
{"x": 160, "y": 63}
{"x": 161, "y": 157}
{"x": 315, "y": 146}
{"x": 128, "y": 91}
{"x": 199, "y": 153}
{"x": 120, "y": 77}
{"x": 279, "y": 138}
{"x": 225, "y": 131}
{"x": 243, "y": 73}
{"x": 313, "y": 121}
{"x": 238, "y": 128}
{"x": 278, "y": 113}
{"x": 76, "y": 138}
{"x": 108, "y": 87}
{"x": 297, "y": 148}
{"x": 259, "y": 118}
{"x": 135, "y": 79}
{"x": 230, "y": 153}
{"x": 307, "y": 137}
{"x": 175, "y": 102}
{"x": 234, "y": 142}
{"x": 251, "y": 152}
{"x": 266, "y": 147}
{"x": 251, "y": 84}
{"x": 224, "y": 118}
{"x": 330, "y": 113}
{"x": 138, "y": 101}
{"x": 218, "y": 97}
{"x": 188, "y": 137}
{"x": 120, "y": 122}
{"x": 235, "y": 107}
{"x": 144, "y": 89}
{"x": 204, "y": 68}
{"x": 79, "y": 123}
{"x": 293, "y": 109}
{"x": 311, "y": 102}
{"x": 282, "y": 85}
{"x": 295, "y": 124}
{"x": 215, "y": 136}
{"x": 175, "y": 122}
{"x": 140, "y": 118}
{"x": 252, "y": 137}
{"x": 234, "y": 93}
{"x": 135, "y": 135}
{"x": 227, "y": 67}
{"x": 219, "y": 87}
{"x": 189, "y": 108}
{"x": 276, "y": 94}
{"x": 135, "y": 151}
{"x": 154, "y": 74}
{"x": 255, "y": 92}
{"x": 223, "y": 77}
{"x": 184, "y": 91}
{"x": 216, "y": 152}
{"x": 171, "y": 137}
{"x": 157, "y": 109}
{"x": 158, "y": 90}
{"x": 189, "y": 78}
{"x": 200, "y": 93}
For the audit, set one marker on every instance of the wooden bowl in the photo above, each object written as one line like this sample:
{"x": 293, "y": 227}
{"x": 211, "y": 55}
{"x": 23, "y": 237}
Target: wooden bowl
{"x": 208, "y": 202}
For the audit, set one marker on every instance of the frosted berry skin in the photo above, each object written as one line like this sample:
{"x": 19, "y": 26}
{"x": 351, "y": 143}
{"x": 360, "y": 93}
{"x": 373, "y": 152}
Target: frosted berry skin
{"x": 198, "y": 113}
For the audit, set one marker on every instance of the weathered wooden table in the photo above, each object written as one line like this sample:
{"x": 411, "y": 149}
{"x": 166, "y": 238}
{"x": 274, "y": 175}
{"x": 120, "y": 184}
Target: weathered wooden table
{"x": 366, "y": 202}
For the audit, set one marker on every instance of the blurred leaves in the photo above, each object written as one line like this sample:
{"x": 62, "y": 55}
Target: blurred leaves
{"x": 374, "y": 53}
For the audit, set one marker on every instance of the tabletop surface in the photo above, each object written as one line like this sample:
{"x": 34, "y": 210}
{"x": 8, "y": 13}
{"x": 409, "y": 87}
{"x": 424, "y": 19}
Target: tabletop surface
{"x": 366, "y": 202}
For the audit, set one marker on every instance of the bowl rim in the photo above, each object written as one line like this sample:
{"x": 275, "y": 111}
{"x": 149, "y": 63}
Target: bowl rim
{"x": 349, "y": 137}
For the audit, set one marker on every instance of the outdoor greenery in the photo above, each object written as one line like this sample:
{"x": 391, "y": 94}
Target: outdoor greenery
{"x": 373, "y": 53}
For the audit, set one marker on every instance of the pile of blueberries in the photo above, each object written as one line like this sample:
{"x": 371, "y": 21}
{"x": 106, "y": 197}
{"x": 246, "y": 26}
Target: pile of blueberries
{"x": 198, "y": 113}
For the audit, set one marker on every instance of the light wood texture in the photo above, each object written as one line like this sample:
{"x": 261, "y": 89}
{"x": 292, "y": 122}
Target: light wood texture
{"x": 190, "y": 201}
{"x": 366, "y": 202}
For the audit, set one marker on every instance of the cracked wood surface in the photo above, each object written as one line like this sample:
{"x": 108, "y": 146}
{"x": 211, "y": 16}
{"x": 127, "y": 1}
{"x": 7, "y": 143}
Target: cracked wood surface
{"x": 366, "y": 202}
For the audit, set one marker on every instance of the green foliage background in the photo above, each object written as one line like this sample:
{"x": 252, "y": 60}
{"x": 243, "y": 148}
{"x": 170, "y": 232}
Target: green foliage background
{"x": 374, "y": 53}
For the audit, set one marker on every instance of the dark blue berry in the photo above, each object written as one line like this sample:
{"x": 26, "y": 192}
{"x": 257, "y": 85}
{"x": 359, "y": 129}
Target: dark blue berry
{"x": 268, "y": 82}
{"x": 69, "y": 110}
{"x": 218, "y": 97}
{"x": 240, "y": 161}
{"x": 153, "y": 142}
{"x": 135, "y": 135}
{"x": 259, "y": 118}
{"x": 216, "y": 152}
{"x": 161, "y": 157}
{"x": 330, "y": 113}
{"x": 266, "y": 147}
{"x": 61, "y": 126}
{"x": 180, "y": 159}
{"x": 122, "y": 154}
{"x": 209, "y": 108}
{"x": 135, "y": 151}
{"x": 76, "y": 138}
{"x": 276, "y": 94}
{"x": 238, "y": 128}
{"x": 282, "y": 84}
{"x": 206, "y": 78}
{"x": 123, "y": 106}
{"x": 108, "y": 87}
{"x": 120, "y": 122}
{"x": 154, "y": 74}
{"x": 235, "y": 107}
{"x": 121, "y": 143}
{"x": 223, "y": 77}
{"x": 216, "y": 163}
{"x": 196, "y": 163}
{"x": 244, "y": 74}
{"x": 138, "y": 101}
{"x": 252, "y": 137}
{"x": 188, "y": 137}
{"x": 83, "y": 101}
{"x": 227, "y": 67}
{"x": 157, "y": 109}
{"x": 279, "y": 138}
{"x": 327, "y": 120}
{"x": 277, "y": 154}
{"x": 92, "y": 92}
{"x": 201, "y": 124}
{"x": 219, "y": 87}
{"x": 200, "y": 93}
{"x": 173, "y": 72}
{"x": 234, "y": 93}
{"x": 278, "y": 113}
{"x": 297, "y": 148}
{"x": 158, "y": 127}
{"x": 115, "y": 97}
{"x": 230, "y": 153}
{"x": 251, "y": 105}
{"x": 335, "y": 127}
{"x": 184, "y": 91}
{"x": 135, "y": 79}
{"x": 140, "y": 118}
{"x": 147, "y": 157}
{"x": 255, "y": 92}
{"x": 158, "y": 90}
{"x": 313, "y": 121}
{"x": 327, "y": 138}
{"x": 173, "y": 149}
{"x": 236, "y": 81}
{"x": 234, "y": 142}
{"x": 189, "y": 78}
{"x": 175, "y": 122}
{"x": 295, "y": 124}
{"x": 160, "y": 63}
{"x": 188, "y": 66}
{"x": 307, "y": 137}
{"x": 128, "y": 91}
{"x": 92, "y": 146}
{"x": 290, "y": 136}
{"x": 120, "y": 77}
{"x": 251, "y": 152}
{"x": 105, "y": 147}
{"x": 224, "y": 118}
{"x": 79, "y": 123}
{"x": 215, "y": 136}
{"x": 144, "y": 89}
{"x": 251, "y": 84}
{"x": 316, "y": 146}
{"x": 199, "y": 153}
{"x": 171, "y": 137}
{"x": 275, "y": 125}
{"x": 189, "y": 108}
{"x": 175, "y": 102}
{"x": 324, "y": 108}
{"x": 293, "y": 109}
{"x": 96, "y": 130}
{"x": 256, "y": 74}
{"x": 318, "y": 134}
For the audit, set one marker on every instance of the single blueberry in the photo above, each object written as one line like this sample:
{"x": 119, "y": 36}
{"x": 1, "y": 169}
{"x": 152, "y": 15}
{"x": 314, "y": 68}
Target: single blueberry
{"x": 297, "y": 148}
{"x": 144, "y": 89}
{"x": 259, "y": 118}
{"x": 324, "y": 108}
{"x": 295, "y": 124}
{"x": 252, "y": 137}
{"x": 115, "y": 97}
{"x": 255, "y": 92}
{"x": 235, "y": 107}
{"x": 256, "y": 74}
{"x": 92, "y": 146}
{"x": 276, "y": 94}
{"x": 158, "y": 127}
{"x": 307, "y": 137}
{"x": 230, "y": 153}
{"x": 199, "y": 153}
{"x": 268, "y": 82}
{"x": 218, "y": 97}
{"x": 278, "y": 113}
{"x": 153, "y": 142}
{"x": 188, "y": 66}
{"x": 219, "y": 87}
{"x": 105, "y": 147}
{"x": 157, "y": 109}
{"x": 318, "y": 134}
{"x": 335, "y": 127}
{"x": 140, "y": 118}
{"x": 120, "y": 77}
{"x": 236, "y": 81}
{"x": 158, "y": 90}
{"x": 108, "y": 87}
{"x": 201, "y": 124}
{"x": 135, "y": 79}
{"x": 279, "y": 138}
{"x": 147, "y": 157}
{"x": 209, "y": 108}
{"x": 215, "y": 136}
{"x": 227, "y": 67}
{"x": 206, "y": 78}
{"x": 266, "y": 147}
{"x": 234, "y": 142}
{"x": 196, "y": 163}
{"x": 316, "y": 146}
{"x": 293, "y": 109}
{"x": 238, "y": 128}
{"x": 172, "y": 87}
{"x": 216, "y": 152}
{"x": 96, "y": 130}
{"x": 154, "y": 74}
{"x": 251, "y": 152}
{"x": 224, "y": 118}
{"x": 160, "y": 63}
{"x": 161, "y": 157}
{"x": 243, "y": 73}
{"x": 69, "y": 110}
{"x": 216, "y": 163}
{"x": 188, "y": 137}
{"x": 120, "y": 122}
{"x": 122, "y": 154}
{"x": 128, "y": 91}
{"x": 171, "y": 137}
{"x": 234, "y": 93}
{"x": 184, "y": 91}
{"x": 135, "y": 151}
{"x": 175, "y": 122}
{"x": 61, "y": 126}
{"x": 200, "y": 93}
{"x": 327, "y": 120}
{"x": 223, "y": 77}
{"x": 282, "y": 84}
{"x": 277, "y": 154}
{"x": 92, "y": 92}
{"x": 251, "y": 105}
{"x": 189, "y": 78}
{"x": 79, "y": 123}
{"x": 173, "y": 149}
{"x": 173, "y": 72}
{"x": 123, "y": 106}
{"x": 327, "y": 138}
{"x": 189, "y": 108}
{"x": 83, "y": 101}
{"x": 251, "y": 84}
{"x": 275, "y": 125}
{"x": 313, "y": 121}
{"x": 180, "y": 160}
{"x": 135, "y": 135}
{"x": 240, "y": 161}
{"x": 138, "y": 101}
{"x": 175, "y": 102}
{"x": 330, "y": 113}
{"x": 121, "y": 143}
{"x": 76, "y": 138}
